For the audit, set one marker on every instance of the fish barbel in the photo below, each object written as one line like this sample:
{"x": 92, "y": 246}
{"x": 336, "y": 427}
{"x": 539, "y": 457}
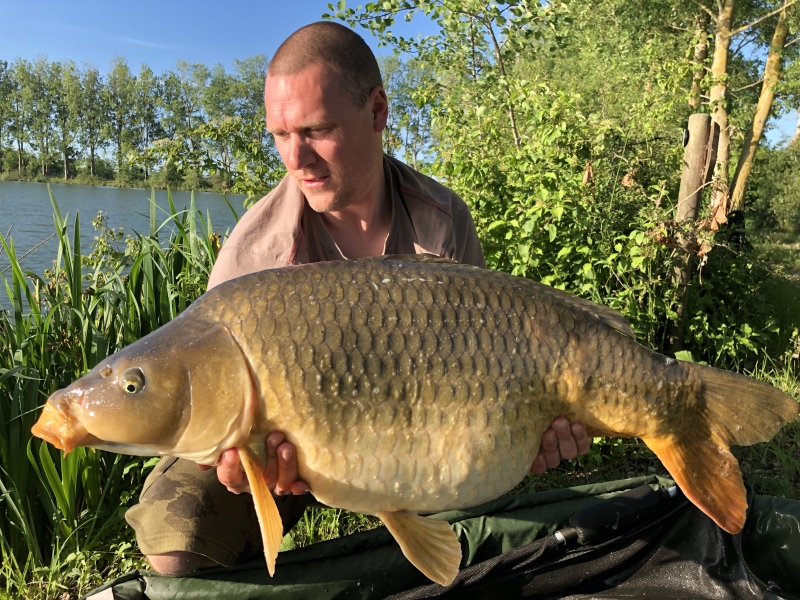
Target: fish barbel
{"x": 409, "y": 385}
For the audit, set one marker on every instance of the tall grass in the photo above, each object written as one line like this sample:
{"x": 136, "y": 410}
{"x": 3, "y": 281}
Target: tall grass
{"x": 61, "y": 517}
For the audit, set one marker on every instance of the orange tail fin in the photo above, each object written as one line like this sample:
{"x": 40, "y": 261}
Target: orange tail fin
{"x": 737, "y": 410}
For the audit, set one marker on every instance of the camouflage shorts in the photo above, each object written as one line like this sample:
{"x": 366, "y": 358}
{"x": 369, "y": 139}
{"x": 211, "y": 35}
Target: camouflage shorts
{"x": 182, "y": 508}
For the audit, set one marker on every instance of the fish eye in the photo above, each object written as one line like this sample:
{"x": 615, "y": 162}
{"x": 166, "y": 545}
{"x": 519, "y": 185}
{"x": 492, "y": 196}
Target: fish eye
{"x": 132, "y": 380}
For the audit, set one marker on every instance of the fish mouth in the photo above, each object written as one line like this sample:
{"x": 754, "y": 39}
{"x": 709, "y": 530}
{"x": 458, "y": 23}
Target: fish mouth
{"x": 57, "y": 426}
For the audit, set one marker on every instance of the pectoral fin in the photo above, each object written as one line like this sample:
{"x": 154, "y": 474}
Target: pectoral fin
{"x": 429, "y": 545}
{"x": 266, "y": 510}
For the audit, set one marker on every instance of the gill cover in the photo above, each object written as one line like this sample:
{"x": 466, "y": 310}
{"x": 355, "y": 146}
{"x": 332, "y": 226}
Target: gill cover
{"x": 184, "y": 390}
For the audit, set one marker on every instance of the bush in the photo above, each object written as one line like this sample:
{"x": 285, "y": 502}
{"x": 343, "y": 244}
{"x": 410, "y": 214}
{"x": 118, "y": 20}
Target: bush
{"x": 773, "y": 197}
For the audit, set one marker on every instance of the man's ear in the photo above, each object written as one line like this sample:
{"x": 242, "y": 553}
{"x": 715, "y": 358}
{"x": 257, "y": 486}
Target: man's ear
{"x": 379, "y": 105}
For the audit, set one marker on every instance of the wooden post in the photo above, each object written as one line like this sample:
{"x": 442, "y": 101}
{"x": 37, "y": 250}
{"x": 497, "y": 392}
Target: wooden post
{"x": 700, "y": 154}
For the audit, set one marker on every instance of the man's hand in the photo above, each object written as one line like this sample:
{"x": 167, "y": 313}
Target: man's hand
{"x": 561, "y": 441}
{"x": 280, "y": 472}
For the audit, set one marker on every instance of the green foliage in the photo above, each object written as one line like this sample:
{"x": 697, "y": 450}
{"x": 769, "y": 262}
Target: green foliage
{"x": 773, "y": 197}
{"x": 61, "y": 518}
{"x": 249, "y": 166}
{"x": 407, "y": 134}
{"x": 727, "y": 326}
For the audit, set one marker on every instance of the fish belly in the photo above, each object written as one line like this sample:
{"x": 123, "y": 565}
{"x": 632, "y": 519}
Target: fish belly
{"x": 446, "y": 461}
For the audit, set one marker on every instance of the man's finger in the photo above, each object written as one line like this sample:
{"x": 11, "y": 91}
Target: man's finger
{"x": 230, "y": 472}
{"x": 567, "y": 448}
{"x": 299, "y": 488}
{"x": 287, "y": 468}
{"x": 550, "y": 449}
{"x": 539, "y": 465}
{"x": 274, "y": 439}
{"x": 582, "y": 440}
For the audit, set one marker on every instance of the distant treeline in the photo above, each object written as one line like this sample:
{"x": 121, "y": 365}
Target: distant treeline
{"x": 61, "y": 119}
{"x": 193, "y": 127}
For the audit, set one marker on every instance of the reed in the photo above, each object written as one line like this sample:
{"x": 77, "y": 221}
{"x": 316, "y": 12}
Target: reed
{"x": 59, "y": 511}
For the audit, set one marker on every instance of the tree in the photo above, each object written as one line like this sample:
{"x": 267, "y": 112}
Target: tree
{"x": 40, "y": 83}
{"x": 65, "y": 91}
{"x": 20, "y": 103}
{"x": 218, "y": 96}
{"x": 183, "y": 107}
{"x": 753, "y": 15}
{"x": 723, "y": 33}
{"x": 219, "y": 102}
{"x": 248, "y": 87}
{"x": 772, "y": 75}
{"x": 392, "y": 70}
{"x": 146, "y": 125}
{"x": 183, "y": 97}
{"x": 92, "y": 114}
{"x": 118, "y": 100}
{"x": 700, "y": 55}
{"x": 787, "y": 98}
{"x": 407, "y": 132}
{"x": 6, "y": 90}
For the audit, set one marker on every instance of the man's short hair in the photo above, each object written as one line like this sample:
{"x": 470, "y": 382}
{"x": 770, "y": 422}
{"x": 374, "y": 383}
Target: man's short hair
{"x": 335, "y": 46}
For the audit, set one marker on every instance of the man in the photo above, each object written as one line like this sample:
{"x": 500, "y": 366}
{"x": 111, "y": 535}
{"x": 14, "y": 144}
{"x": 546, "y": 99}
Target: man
{"x": 342, "y": 198}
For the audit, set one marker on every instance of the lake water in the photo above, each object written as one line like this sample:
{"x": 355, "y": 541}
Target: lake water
{"x": 26, "y": 210}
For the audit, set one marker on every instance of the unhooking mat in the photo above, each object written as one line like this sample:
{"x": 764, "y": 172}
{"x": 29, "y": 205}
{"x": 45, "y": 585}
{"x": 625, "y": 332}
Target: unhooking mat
{"x": 621, "y": 539}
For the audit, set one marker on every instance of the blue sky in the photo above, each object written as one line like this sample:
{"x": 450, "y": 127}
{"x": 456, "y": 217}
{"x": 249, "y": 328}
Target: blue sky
{"x": 160, "y": 32}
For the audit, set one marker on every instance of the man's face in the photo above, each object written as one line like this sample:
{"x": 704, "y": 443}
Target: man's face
{"x": 330, "y": 147}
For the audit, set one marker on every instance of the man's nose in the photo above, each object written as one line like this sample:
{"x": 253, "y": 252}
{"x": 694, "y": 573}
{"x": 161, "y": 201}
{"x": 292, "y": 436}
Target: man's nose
{"x": 298, "y": 154}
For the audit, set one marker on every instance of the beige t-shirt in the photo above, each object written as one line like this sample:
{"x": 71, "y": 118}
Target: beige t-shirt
{"x": 282, "y": 229}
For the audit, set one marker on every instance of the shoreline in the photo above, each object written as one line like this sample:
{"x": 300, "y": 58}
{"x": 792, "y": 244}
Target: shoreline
{"x": 113, "y": 184}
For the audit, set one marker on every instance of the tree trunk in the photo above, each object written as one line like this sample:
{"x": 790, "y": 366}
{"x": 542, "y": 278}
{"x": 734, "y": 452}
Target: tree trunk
{"x": 719, "y": 110}
{"x": 19, "y": 156}
{"x": 66, "y": 171}
{"x": 91, "y": 160}
{"x": 119, "y": 155}
{"x": 700, "y": 56}
{"x": 772, "y": 74}
{"x": 698, "y": 159}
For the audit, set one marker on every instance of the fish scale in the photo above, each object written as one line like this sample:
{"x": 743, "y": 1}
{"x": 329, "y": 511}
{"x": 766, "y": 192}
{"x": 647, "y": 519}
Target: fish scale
{"x": 410, "y": 385}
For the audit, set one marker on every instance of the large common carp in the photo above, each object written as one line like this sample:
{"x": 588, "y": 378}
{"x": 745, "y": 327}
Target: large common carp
{"x": 409, "y": 385}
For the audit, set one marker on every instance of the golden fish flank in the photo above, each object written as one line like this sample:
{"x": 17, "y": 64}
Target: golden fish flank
{"x": 411, "y": 384}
